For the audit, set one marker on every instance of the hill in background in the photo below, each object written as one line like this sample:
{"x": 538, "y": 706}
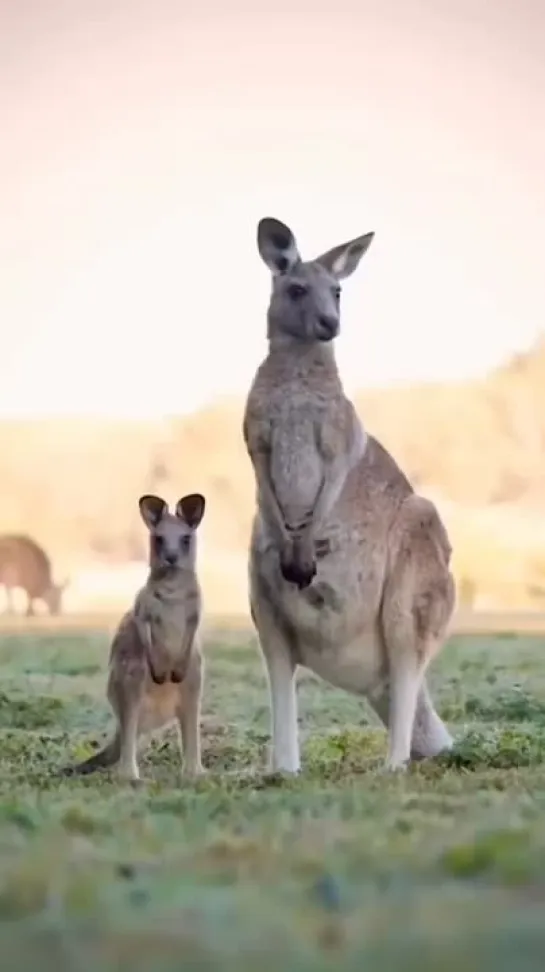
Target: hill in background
{"x": 477, "y": 448}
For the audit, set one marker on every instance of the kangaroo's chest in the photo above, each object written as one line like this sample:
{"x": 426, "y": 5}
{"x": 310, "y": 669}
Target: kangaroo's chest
{"x": 285, "y": 410}
{"x": 168, "y": 629}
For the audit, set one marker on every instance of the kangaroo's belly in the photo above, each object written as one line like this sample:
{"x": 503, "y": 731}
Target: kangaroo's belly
{"x": 332, "y": 625}
{"x": 358, "y": 666}
{"x": 159, "y": 707}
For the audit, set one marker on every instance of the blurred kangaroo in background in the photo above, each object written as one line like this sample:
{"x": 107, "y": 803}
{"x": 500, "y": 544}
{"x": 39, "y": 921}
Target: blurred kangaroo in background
{"x": 349, "y": 569}
{"x": 23, "y": 563}
{"x": 156, "y": 667}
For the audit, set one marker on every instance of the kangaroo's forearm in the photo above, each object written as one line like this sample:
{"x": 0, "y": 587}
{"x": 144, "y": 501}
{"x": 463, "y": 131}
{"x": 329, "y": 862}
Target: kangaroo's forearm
{"x": 143, "y": 627}
{"x": 182, "y": 663}
{"x": 156, "y": 656}
{"x": 334, "y": 478}
{"x": 335, "y": 471}
{"x": 267, "y": 495}
{"x": 189, "y": 637}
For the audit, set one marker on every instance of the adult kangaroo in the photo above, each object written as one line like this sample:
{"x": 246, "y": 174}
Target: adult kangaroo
{"x": 349, "y": 569}
{"x": 24, "y": 563}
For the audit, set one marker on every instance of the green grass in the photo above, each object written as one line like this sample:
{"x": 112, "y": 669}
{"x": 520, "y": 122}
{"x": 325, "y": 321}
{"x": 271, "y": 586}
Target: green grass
{"x": 346, "y": 867}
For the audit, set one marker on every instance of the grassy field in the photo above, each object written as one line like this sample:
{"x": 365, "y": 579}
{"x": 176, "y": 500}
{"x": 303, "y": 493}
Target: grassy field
{"x": 345, "y": 867}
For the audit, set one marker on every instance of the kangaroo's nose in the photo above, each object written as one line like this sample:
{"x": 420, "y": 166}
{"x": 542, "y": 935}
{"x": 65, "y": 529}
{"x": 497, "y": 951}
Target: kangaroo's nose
{"x": 171, "y": 559}
{"x": 328, "y": 326}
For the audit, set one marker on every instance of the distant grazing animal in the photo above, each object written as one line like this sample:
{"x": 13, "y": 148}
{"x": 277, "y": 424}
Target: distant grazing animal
{"x": 349, "y": 569}
{"x": 156, "y": 667}
{"x": 23, "y": 563}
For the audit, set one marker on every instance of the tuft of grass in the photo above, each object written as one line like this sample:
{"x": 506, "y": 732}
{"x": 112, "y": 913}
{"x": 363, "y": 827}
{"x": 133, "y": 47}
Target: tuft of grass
{"x": 514, "y": 704}
{"x": 501, "y": 747}
{"x": 29, "y": 712}
{"x": 505, "y": 854}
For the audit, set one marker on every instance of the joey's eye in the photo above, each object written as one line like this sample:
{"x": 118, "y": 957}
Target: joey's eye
{"x": 296, "y": 291}
{"x": 185, "y": 543}
{"x": 337, "y": 293}
{"x": 158, "y": 543}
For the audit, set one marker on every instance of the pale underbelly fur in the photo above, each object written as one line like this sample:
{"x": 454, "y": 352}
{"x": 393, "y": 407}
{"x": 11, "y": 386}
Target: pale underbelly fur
{"x": 329, "y": 640}
{"x": 356, "y": 667}
{"x": 158, "y": 708}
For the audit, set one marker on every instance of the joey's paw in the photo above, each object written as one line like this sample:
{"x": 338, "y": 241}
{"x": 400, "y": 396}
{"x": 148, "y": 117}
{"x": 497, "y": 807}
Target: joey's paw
{"x": 300, "y": 574}
{"x": 177, "y": 674}
{"x": 159, "y": 675}
{"x": 306, "y": 576}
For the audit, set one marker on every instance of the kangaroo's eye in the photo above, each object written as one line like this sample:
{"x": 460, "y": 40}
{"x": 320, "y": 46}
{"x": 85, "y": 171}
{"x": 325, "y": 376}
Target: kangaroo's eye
{"x": 296, "y": 291}
{"x": 158, "y": 543}
{"x": 185, "y": 543}
{"x": 337, "y": 293}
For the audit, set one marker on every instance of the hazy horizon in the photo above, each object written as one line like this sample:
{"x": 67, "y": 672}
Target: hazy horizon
{"x": 144, "y": 141}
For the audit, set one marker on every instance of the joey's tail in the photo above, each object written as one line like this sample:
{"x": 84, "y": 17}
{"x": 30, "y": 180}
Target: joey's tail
{"x": 105, "y": 758}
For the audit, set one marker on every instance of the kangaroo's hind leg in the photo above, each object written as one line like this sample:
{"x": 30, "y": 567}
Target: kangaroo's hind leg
{"x": 125, "y": 695}
{"x": 417, "y": 606}
{"x": 189, "y": 718}
{"x": 281, "y": 670}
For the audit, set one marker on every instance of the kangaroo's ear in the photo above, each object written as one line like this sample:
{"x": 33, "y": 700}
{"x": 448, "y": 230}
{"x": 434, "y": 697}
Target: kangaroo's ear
{"x": 342, "y": 260}
{"x": 277, "y": 246}
{"x": 190, "y": 509}
{"x": 152, "y": 509}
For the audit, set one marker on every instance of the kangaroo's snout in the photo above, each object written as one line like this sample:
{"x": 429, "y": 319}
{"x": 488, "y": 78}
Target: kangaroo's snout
{"x": 328, "y": 327}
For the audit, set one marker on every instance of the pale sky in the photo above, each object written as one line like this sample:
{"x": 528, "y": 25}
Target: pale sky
{"x": 143, "y": 139}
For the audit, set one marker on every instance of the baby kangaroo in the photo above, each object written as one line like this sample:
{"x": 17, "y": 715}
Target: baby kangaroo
{"x": 156, "y": 667}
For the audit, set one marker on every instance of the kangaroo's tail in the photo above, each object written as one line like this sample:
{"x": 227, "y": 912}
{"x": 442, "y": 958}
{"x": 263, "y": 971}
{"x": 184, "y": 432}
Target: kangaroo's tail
{"x": 105, "y": 758}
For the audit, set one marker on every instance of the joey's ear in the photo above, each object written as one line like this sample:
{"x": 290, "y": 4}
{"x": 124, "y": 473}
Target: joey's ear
{"x": 277, "y": 246}
{"x": 190, "y": 509}
{"x": 342, "y": 260}
{"x": 152, "y": 509}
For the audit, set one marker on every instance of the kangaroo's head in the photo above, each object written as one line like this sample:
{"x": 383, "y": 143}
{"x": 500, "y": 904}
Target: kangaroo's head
{"x": 172, "y": 535}
{"x": 305, "y": 299}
